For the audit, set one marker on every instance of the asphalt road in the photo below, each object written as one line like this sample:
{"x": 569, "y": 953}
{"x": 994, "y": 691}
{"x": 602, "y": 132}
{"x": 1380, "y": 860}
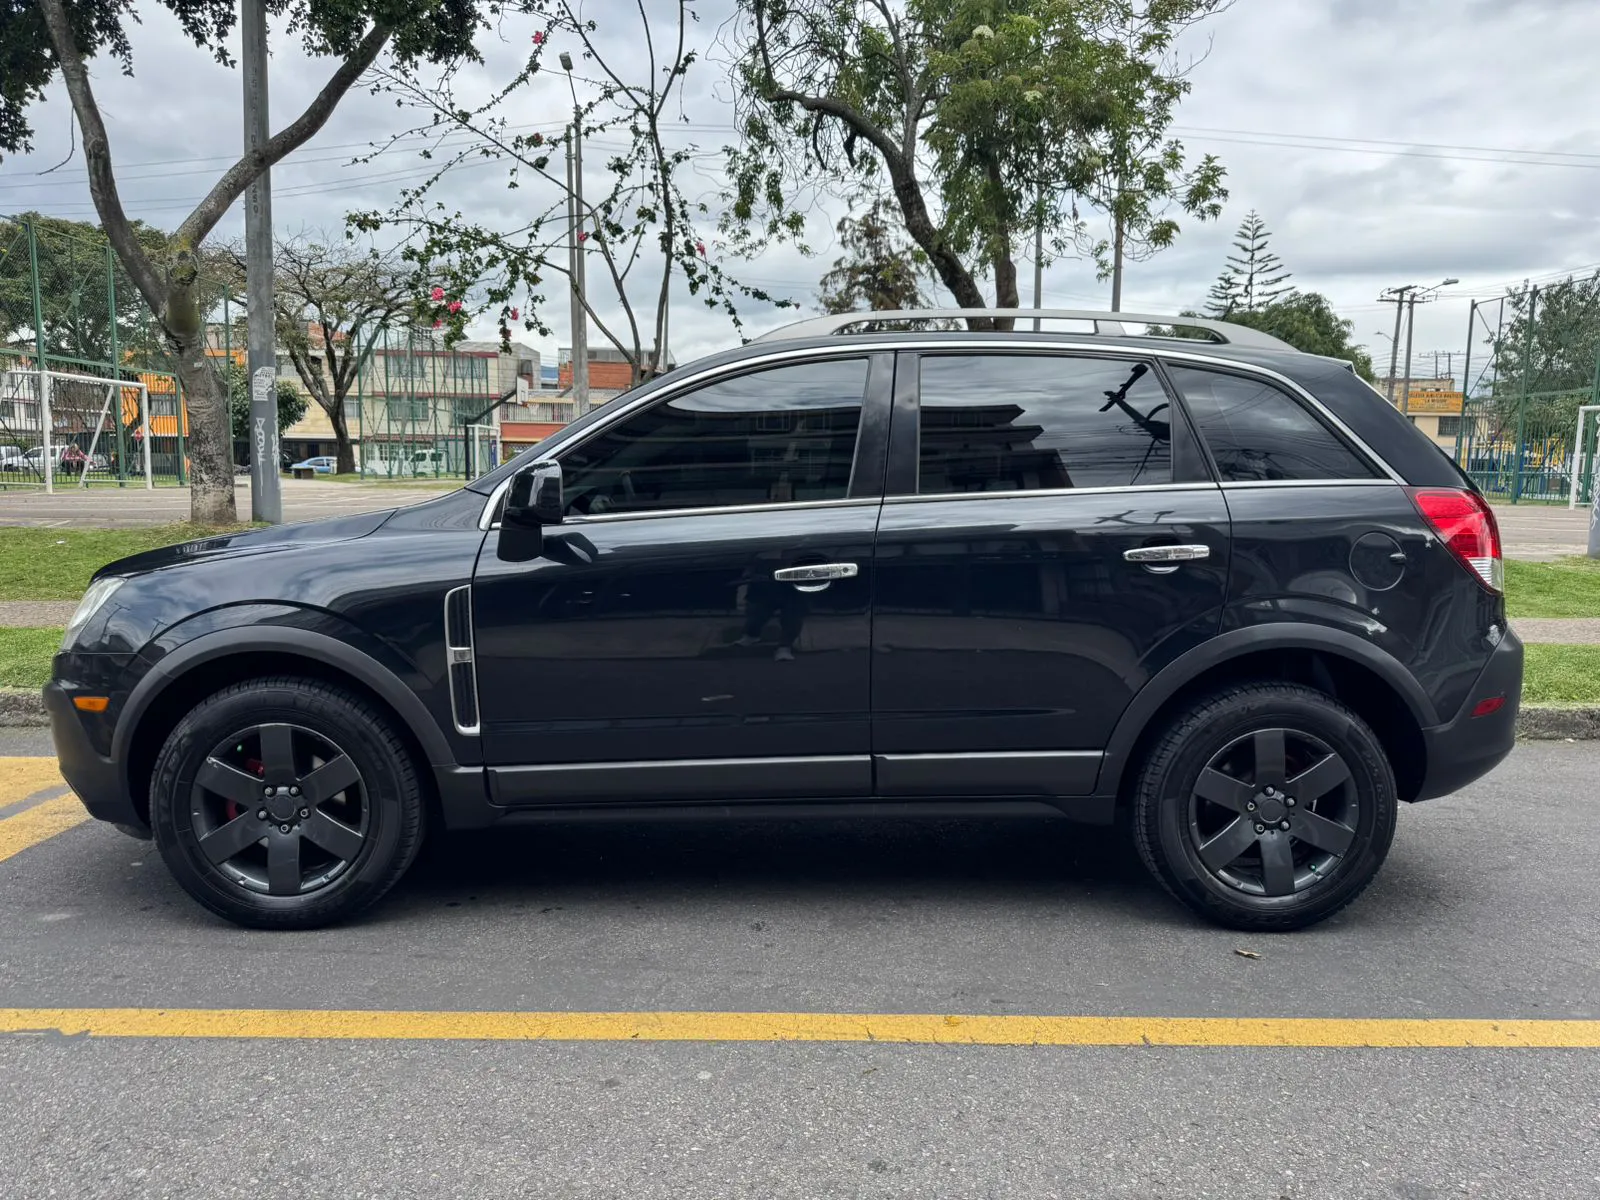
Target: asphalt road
{"x": 1486, "y": 909}
{"x": 110, "y": 508}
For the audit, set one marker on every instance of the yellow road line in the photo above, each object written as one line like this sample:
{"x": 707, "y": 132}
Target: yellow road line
{"x": 34, "y": 825}
{"x": 24, "y": 777}
{"x": 802, "y": 1027}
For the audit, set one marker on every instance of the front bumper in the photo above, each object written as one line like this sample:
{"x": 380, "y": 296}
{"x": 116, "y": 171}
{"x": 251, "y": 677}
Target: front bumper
{"x": 1470, "y": 747}
{"x": 94, "y": 777}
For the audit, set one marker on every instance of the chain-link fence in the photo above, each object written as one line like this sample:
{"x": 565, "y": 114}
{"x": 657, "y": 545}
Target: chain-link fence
{"x": 1537, "y": 352}
{"x": 69, "y": 318}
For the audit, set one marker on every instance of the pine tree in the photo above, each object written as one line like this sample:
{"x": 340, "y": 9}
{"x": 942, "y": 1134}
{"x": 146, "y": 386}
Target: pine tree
{"x": 878, "y": 272}
{"x": 1253, "y": 278}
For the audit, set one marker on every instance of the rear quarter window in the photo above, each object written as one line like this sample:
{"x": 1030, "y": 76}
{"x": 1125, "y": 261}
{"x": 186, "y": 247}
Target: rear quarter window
{"x": 1258, "y": 432}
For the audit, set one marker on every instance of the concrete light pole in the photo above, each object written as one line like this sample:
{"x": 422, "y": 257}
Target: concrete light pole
{"x": 266, "y": 498}
{"x": 580, "y": 317}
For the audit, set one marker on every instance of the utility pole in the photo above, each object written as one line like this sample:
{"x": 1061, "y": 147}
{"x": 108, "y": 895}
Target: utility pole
{"x": 266, "y": 499}
{"x": 580, "y": 317}
{"x": 1411, "y": 328}
{"x": 1399, "y": 300}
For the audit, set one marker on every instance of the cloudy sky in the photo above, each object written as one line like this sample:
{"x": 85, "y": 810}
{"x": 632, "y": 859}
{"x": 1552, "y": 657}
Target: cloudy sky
{"x": 1384, "y": 141}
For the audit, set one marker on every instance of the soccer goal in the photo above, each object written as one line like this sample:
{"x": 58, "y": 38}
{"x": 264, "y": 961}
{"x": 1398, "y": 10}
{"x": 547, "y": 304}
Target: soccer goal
{"x": 483, "y": 450}
{"x": 59, "y": 429}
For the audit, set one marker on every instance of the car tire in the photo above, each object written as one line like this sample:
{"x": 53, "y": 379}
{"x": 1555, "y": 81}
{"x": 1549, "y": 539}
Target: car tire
{"x": 1218, "y": 822}
{"x": 328, "y": 846}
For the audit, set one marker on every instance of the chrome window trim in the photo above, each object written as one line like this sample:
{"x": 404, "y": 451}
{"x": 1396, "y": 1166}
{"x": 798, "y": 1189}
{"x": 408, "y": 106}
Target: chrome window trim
{"x": 1286, "y": 483}
{"x": 948, "y": 344}
{"x": 1015, "y": 494}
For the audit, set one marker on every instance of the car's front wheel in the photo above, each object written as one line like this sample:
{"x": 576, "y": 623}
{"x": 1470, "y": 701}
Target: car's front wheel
{"x": 1265, "y": 806}
{"x": 286, "y": 803}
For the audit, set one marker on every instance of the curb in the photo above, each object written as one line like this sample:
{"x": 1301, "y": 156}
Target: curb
{"x": 25, "y": 710}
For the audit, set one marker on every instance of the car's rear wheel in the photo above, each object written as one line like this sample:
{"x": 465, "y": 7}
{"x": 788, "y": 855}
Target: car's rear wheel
{"x": 1265, "y": 806}
{"x": 286, "y": 804}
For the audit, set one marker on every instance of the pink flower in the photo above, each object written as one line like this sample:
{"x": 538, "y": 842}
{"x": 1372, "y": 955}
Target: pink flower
{"x": 455, "y": 306}
{"x": 538, "y": 38}
{"x": 537, "y": 139}
{"x": 700, "y": 249}
{"x": 514, "y": 316}
{"x": 437, "y": 322}
{"x": 437, "y": 293}
{"x": 583, "y": 235}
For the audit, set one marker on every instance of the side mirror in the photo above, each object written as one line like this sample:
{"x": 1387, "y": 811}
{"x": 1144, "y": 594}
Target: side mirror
{"x": 533, "y": 501}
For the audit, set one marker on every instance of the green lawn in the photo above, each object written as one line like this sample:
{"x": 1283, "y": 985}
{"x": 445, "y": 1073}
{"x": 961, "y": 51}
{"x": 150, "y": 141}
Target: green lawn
{"x": 1568, "y": 587}
{"x": 1561, "y": 675}
{"x": 25, "y": 656}
{"x": 55, "y": 564}
{"x": 1555, "y": 674}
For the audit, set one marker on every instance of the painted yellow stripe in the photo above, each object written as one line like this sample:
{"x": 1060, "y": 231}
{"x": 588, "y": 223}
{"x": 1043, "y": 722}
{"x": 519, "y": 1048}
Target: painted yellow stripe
{"x": 801, "y": 1027}
{"x": 34, "y": 825}
{"x": 24, "y": 777}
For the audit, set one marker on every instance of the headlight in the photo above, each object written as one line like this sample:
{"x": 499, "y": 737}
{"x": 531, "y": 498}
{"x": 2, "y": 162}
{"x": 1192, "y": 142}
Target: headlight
{"x": 99, "y": 592}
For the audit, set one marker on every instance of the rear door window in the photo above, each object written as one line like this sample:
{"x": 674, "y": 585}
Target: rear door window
{"x": 1259, "y": 432}
{"x": 1019, "y": 422}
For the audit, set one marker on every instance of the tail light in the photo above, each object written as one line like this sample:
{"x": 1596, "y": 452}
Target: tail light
{"x": 1465, "y": 524}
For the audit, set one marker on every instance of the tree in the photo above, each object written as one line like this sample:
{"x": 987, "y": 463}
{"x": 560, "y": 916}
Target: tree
{"x": 1252, "y": 279}
{"x": 643, "y": 208}
{"x": 1141, "y": 174}
{"x": 878, "y": 272}
{"x": 330, "y": 300}
{"x": 1307, "y": 322}
{"x": 292, "y": 403}
{"x": 979, "y": 115}
{"x": 1545, "y": 357}
{"x": 67, "y": 34}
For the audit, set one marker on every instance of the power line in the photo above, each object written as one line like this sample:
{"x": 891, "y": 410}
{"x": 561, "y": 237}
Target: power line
{"x": 1316, "y": 137}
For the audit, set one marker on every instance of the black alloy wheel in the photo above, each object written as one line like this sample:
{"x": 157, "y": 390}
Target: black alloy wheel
{"x": 286, "y": 803}
{"x": 1265, "y": 806}
{"x": 1274, "y": 812}
{"x": 279, "y": 809}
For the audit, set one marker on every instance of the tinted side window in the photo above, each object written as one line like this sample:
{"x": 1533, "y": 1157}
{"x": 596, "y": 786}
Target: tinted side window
{"x": 1256, "y": 431}
{"x": 1002, "y": 422}
{"x": 779, "y": 435}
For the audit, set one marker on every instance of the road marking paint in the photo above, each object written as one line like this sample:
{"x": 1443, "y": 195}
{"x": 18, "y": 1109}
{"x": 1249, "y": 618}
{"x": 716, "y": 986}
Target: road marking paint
{"x": 24, "y": 777}
{"x": 918, "y": 1028}
{"x": 39, "y": 823}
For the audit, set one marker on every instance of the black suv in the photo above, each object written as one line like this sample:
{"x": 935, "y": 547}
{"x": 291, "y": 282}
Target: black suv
{"x": 1204, "y": 581}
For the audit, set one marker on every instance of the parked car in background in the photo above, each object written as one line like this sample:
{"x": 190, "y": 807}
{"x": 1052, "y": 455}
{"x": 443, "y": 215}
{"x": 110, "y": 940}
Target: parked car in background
{"x": 322, "y": 464}
{"x": 68, "y": 458}
{"x": 1218, "y": 588}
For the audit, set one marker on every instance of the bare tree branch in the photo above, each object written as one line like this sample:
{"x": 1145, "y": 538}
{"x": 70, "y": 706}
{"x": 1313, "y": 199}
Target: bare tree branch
{"x": 97, "y": 156}
{"x": 236, "y": 178}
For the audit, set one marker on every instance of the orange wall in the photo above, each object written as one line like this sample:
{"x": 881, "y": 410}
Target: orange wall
{"x": 614, "y": 375}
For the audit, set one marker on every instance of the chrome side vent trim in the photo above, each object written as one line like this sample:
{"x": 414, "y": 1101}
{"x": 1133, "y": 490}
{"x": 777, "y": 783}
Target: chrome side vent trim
{"x": 459, "y": 660}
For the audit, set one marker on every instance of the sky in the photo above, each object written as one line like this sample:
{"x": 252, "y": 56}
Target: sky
{"x": 1384, "y": 142}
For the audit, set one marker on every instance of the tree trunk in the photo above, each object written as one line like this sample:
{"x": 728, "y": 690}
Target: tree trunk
{"x": 1117, "y": 239}
{"x": 210, "y": 455}
{"x": 345, "y": 454}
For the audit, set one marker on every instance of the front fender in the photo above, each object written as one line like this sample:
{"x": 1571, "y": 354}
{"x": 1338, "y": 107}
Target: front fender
{"x": 266, "y": 632}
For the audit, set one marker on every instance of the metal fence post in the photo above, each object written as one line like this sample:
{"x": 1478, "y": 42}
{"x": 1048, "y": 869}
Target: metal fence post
{"x": 1466, "y": 384}
{"x": 1522, "y": 398}
{"x": 116, "y": 366}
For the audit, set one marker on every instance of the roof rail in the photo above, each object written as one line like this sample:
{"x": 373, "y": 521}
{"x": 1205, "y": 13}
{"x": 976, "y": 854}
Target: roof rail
{"x": 1106, "y": 324}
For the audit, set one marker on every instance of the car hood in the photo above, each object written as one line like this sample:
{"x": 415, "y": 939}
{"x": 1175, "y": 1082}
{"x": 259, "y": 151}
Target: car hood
{"x": 250, "y": 541}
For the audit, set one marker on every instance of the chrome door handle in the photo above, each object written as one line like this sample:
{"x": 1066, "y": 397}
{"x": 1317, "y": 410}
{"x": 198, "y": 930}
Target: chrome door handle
{"x": 1166, "y": 554}
{"x": 816, "y": 576}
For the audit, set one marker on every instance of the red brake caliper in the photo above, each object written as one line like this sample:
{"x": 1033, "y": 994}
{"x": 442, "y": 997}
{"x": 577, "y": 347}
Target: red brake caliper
{"x": 257, "y": 768}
